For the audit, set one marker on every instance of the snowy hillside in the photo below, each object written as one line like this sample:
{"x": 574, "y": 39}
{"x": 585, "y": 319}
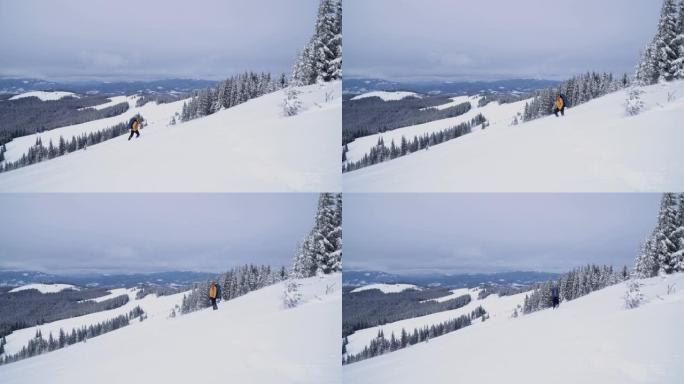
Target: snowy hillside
{"x": 498, "y": 308}
{"x": 497, "y": 115}
{"x": 250, "y": 147}
{"x": 44, "y": 288}
{"x": 592, "y": 339}
{"x": 386, "y": 288}
{"x": 251, "y": 339}
{"x": 44, "y": 95}
{"x": 595, "y": 147}
{"x": 386, "y": 96}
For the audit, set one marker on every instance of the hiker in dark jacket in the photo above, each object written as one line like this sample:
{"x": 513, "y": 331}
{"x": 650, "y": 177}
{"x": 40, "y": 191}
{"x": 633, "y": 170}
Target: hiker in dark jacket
{"x": 555, "y": 296}
{"x": 134, "y": 125}
{"x": 560, "y": 105}
{"x": 214, "y": 294}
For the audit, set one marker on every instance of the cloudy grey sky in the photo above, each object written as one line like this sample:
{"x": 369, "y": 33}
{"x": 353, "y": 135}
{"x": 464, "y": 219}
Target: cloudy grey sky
{"x": 71, "y": 233}
{"x": 492, "y": 39}
{"x": 146, "y": 39}
{"x": 469, "y": 233}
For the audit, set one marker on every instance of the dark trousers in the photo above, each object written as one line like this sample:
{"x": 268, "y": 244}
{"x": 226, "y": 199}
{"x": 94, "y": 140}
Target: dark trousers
{"x": 556, "y": 110}
{"x": 137, "y": 133}
{"x": 556, "y": 302}
{"x": 213, "y": 303}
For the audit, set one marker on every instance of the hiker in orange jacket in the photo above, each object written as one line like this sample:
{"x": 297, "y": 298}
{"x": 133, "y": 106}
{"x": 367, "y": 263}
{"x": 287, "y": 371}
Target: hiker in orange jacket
{"x": 134, "y": 126}
{"x": 214, "y": 294}
{"x": 559, "y": 105}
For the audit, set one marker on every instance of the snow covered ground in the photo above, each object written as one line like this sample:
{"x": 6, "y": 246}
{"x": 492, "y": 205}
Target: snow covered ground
{"x": 595, "y": 147}
{"x": 593, "y": 339}
{"x": 44, "y": 95}
{"x": 250, "y": 147}
{"x": 251, "y": 339}
{"x": 386, "y": 288}
{"x": 387, "y": 96}
{"x": 44, "y": 288}
{"x": 114, "y": 293}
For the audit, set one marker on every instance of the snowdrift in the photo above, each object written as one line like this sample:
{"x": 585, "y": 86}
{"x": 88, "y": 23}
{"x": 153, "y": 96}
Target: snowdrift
{"x": 593, "y": 339}
{"x": 251, "y": 339}
{"x": 250, "y": 147}
{"x": 595, "y": 147}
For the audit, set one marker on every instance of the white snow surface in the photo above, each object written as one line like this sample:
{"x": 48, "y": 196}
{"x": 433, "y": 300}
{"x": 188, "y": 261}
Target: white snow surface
{"x": 44, "y": 95}
{"x": 595, "y": 147}
{"x": 592, "y": 339}
{"x": 251, "y": 339}
{"x": 386, "y": 288}
{"x": 251, "y": 147}
{"x": 45, "y": 288}
{"x": 387, "y": 96}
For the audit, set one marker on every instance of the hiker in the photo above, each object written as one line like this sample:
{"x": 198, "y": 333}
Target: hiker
{"x": 555, "y": 296}
{"x": 559, "y": 105}
{"x": 134, "y": 126}
{"x": 214, "y": 294}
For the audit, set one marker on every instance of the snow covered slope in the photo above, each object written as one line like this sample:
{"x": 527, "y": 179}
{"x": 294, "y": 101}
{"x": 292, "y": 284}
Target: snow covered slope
{"x": 497, "y": 115}
{"x": 386, "y": 288}
{"x": 498, "y": 308}
{"x": 595, "y": 147}
{"x": 592, "y": 339}
{"x": 250, "y": 147}
{"x": 44, "y": 95}
{"x": 45, "y": 288}
{"x": 251, "y": 339}
{"x": 386, "y": 96}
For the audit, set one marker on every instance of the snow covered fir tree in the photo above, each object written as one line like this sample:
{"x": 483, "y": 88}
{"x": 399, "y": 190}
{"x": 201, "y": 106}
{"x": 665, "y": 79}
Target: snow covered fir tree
{"x": 321, "y": 250}
{"x": 663, "y": 58}
{"x": 663, "y": 252}
{"x": 321, "y": 58}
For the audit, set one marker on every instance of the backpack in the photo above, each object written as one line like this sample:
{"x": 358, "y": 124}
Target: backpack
{"x": 565, "y": 100}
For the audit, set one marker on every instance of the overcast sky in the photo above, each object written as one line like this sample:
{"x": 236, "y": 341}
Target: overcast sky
{"x": 145, "y": 39}
{"x": 492, "y": 39}
{"x": 71, "y": 233}
{"x": 469, "y": 233}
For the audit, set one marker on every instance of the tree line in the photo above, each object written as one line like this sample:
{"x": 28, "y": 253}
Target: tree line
{"x": 371, "y": 115}
{"x": 577, "y": 90}
{"x": 366, "y": 309}
{"x": 31, "y": 115}
{"x": 576, "y": 283}
{"x": 231, "y": 92}
{"x": 39, "y": 152}
{"x": 39, "y": 345}
{"x": 381, "y": 152}
{"x": 381, "y": 345}
{"x": 28, "y": 308}
{"x": 234, "y": 283}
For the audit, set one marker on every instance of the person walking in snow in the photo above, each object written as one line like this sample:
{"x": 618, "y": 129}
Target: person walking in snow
{"x": 134, "y": 126}
{"x": 214, "y": 294}
{"x": 559, "y": 105}
{"x": 555, "y": 296}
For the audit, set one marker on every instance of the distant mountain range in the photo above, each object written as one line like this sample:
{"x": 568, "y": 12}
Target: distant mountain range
{"x": 21, "y": 85}
{"x": 18, "y": 278}
{"x": 356, "y": 278}
{"x": 361, "y": 85}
